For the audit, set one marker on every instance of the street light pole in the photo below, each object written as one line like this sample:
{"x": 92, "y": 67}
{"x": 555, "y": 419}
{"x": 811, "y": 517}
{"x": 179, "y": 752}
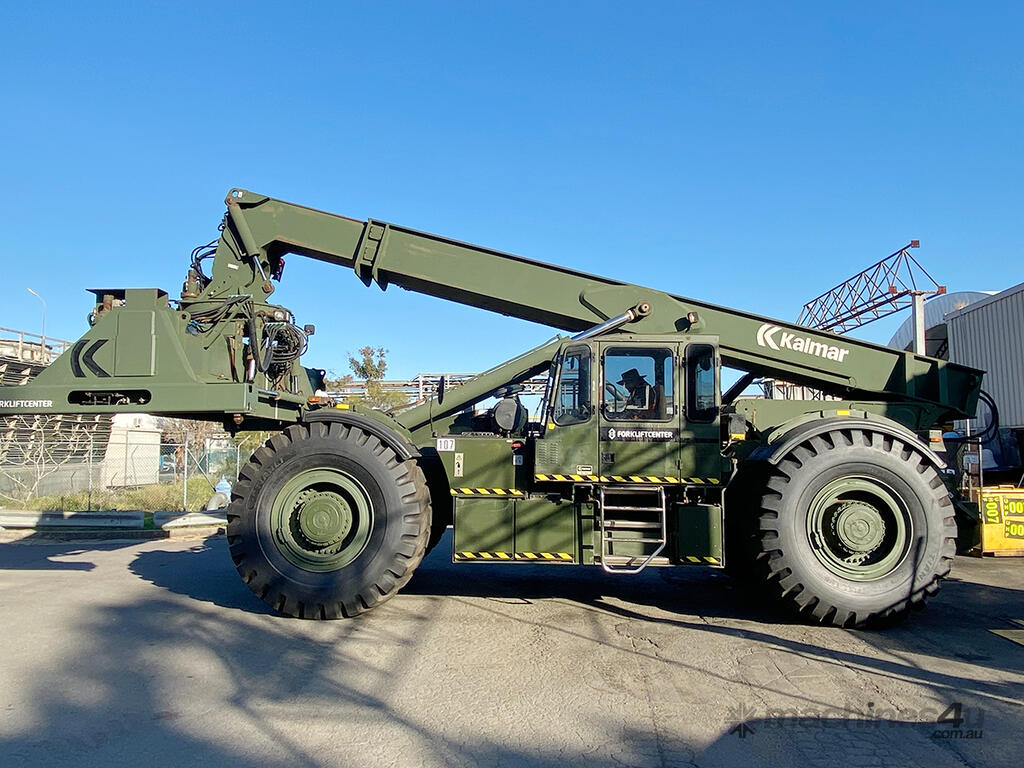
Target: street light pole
{"x": 43, "y": 336}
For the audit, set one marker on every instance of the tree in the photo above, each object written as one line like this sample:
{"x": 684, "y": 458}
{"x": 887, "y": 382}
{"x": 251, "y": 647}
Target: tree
{"x": 334, "y": 380}
{"x": 370, "y": 366}
{"x": 188, "y": 437}
{"x": 227, "y": 454}
{"x": 188, "y": 432}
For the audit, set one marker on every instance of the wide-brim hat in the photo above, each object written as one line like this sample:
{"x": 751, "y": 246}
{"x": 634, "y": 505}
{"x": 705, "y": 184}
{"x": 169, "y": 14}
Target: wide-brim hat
{"x": 632, "y": 375}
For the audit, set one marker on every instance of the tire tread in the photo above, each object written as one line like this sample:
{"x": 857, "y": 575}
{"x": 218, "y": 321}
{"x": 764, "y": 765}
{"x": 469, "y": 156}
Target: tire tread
{"x": 413, "y": 491}
{"x": 775, "y": 574}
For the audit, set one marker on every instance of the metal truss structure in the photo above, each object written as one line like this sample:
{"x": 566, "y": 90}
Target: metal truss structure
{"x": 880, "y": 290}
{"x": 894, "y": 283}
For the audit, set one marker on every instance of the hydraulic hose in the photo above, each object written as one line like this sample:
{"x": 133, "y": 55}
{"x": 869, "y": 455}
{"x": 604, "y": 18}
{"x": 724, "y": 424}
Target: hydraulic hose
{"x": 262, "y": 365}
{"x": 989, "y": 431}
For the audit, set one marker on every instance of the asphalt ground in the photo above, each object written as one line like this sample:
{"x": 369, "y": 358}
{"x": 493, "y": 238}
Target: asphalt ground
{"x": 154, "y": 653}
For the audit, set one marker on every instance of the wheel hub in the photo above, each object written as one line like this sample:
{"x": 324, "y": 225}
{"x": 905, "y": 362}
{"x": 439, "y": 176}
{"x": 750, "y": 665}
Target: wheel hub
{"x": 858, "y": 527}
{"x": 324, "y": 519}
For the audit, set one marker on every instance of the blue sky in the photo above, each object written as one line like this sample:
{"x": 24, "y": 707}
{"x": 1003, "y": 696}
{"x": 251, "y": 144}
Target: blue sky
{"x": 747, "y": 153}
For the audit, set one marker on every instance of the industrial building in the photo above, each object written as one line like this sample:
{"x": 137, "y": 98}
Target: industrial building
{"x": 986, "y": 331}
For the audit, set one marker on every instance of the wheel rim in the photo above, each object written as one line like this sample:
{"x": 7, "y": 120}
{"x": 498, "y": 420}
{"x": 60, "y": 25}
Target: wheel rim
{"x": 858, "y": 528}
{"x": 321, "y": 519}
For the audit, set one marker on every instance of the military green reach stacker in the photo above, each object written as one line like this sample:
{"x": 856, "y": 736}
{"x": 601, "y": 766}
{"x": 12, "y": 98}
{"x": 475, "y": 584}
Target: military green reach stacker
{"x": 838, "y": 508}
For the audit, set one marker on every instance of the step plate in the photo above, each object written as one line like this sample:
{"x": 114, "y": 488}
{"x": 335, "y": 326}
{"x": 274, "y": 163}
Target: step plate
{"x": 618, "y": 561}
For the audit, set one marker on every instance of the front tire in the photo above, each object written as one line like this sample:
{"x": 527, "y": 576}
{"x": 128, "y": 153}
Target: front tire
{"x": 856, "y": 528}
{"x": 327, "y": 521}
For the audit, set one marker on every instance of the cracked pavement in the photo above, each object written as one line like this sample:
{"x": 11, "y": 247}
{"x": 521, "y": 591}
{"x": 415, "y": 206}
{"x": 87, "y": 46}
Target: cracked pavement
{"x": 154, "y": 652}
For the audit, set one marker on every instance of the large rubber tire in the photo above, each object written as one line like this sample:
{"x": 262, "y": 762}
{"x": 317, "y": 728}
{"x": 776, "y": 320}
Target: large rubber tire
{"x": 326, "y": 521}
{"x": 817, "y": 535}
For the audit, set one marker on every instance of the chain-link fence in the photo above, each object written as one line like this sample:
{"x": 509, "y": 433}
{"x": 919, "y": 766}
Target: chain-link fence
{"x": 67, "y": 463}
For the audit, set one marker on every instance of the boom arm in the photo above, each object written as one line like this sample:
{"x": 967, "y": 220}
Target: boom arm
{"x": 266, "y": 229}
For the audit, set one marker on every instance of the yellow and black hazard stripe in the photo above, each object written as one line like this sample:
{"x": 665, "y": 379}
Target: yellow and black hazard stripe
{"x": 483, "y": 556}
{"x": 559, "y": 557}
{"x": 487, "y": 492}
{"x": 700, "y": 560}
{"x": 632, "y": 479}
{"x": 550, "y": 557}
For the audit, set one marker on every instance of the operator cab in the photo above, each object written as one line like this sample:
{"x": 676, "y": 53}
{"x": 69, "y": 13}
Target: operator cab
{"x": 635, "y": 405}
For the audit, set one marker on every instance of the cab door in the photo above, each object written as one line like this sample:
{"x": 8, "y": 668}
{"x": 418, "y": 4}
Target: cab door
{"x": 700, "y": 437}
{"x": 569, "y": 443}
{"x": 639, "y": 416}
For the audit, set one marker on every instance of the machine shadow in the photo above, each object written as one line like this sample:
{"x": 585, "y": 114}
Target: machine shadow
{"x": 697, "y": 591}
{"x": 937, "y": 648}
{"x": 953, "y": 628}
{"x": 204, "y": 572}
{"x": 39, "y": 552}
{"x": 145, "y": 664}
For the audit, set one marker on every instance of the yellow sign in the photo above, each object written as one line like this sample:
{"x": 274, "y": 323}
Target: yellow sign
{"x": 1002, "y": 518}
{"x": 1013, "y": 635}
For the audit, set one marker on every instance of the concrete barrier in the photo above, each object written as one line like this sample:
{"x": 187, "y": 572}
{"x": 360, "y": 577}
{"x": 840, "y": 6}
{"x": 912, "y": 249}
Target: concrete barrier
{"x": 173, "y": 520}
{"x": 26, "y": 518}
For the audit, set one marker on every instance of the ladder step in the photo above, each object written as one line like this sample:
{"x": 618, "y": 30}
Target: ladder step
{"x": 631, "y": 540}
{"x": 615, "y": 489}
{"x": 629, "y": 560}
{"x": 610, "y": 508}
{"x": 630, "y": 491}
{"x": 632, "y": 563}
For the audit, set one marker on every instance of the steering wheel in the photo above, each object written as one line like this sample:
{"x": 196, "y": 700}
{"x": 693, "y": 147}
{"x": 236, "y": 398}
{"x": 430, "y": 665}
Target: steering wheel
{"x": 617, "y": 396}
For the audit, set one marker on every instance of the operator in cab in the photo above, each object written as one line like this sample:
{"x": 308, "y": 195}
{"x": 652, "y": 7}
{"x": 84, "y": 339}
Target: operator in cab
{"x": 640, "y": 402}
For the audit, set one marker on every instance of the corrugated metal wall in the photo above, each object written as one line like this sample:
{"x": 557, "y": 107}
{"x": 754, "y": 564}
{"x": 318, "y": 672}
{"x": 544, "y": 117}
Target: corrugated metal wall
{"x": 990, "y": 335}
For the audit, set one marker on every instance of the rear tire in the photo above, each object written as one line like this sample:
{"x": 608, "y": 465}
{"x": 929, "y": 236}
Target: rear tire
{"x": 856, "y": 529}
{"x": 327, "y": 521}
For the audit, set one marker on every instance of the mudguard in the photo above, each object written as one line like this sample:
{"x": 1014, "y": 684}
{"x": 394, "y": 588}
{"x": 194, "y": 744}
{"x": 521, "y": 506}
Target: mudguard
{"x": 390, "y": 437}
{"x": 779, "y": 447}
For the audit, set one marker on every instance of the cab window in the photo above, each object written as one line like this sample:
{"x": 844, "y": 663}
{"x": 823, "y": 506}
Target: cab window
{"x": 638, "y": 384}
{"x": 572, "y": 394}
{"x": 702, "y": 383}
